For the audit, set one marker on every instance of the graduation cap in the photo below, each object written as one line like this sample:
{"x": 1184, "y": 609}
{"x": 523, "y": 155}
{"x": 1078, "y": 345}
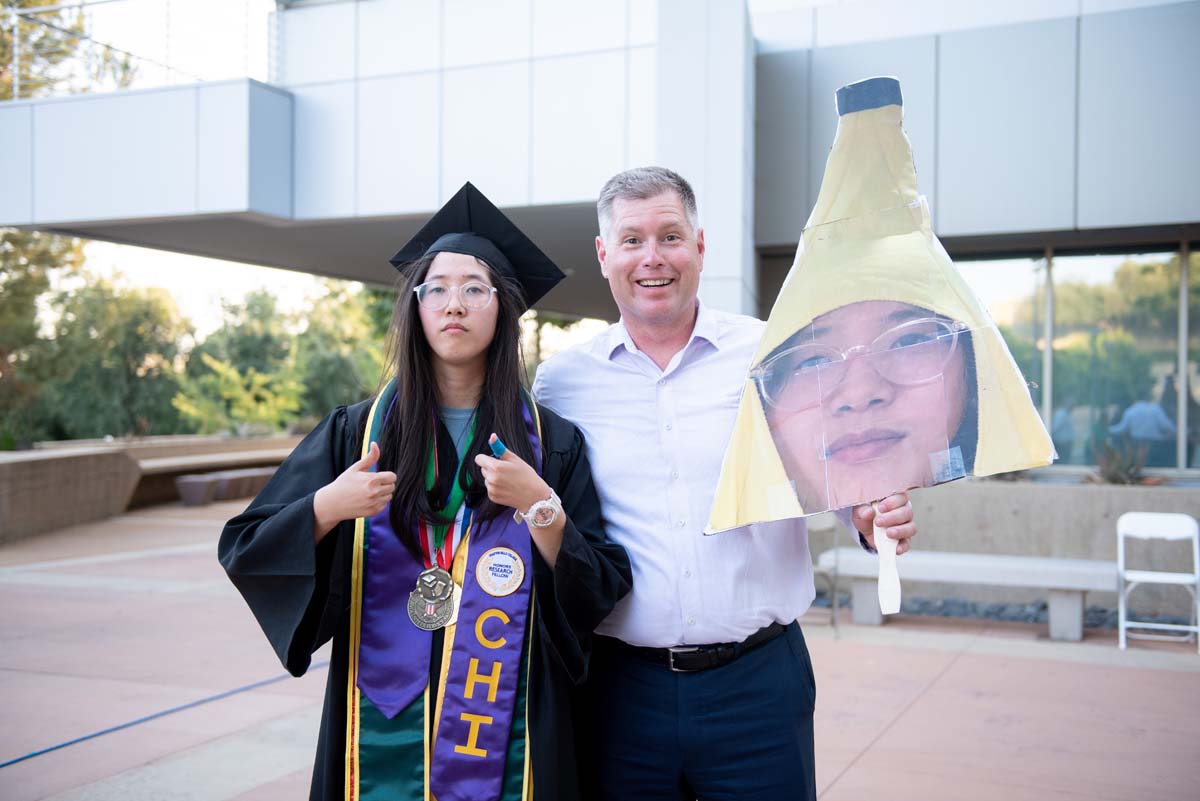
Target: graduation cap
{"x": 471, "y": 224}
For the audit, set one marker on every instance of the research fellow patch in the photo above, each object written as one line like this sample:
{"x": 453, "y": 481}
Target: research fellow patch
{"x": 500, "y": 572}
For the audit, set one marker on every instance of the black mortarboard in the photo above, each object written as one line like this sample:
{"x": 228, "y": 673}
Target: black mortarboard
{"x": 470, "y": 223}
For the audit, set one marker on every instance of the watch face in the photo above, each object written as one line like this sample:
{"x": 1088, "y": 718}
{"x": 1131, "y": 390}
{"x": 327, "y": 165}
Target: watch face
{"x": 544, "y": 515}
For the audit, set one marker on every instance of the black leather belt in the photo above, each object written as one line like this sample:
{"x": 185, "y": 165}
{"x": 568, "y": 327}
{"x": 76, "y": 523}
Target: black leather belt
{"x": 693, "y": 658}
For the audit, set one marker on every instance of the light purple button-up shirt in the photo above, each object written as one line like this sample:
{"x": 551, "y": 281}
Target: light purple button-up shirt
{"x": 656, "y": 439}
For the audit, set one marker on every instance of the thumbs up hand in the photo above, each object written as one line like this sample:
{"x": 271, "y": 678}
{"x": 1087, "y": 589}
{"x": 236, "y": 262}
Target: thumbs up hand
{"x": 509, "y": 480}
{"x": 358, "y": 492}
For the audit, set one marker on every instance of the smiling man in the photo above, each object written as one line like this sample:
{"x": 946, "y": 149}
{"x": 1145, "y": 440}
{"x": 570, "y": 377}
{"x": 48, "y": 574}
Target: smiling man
{"x": 701, "y": 685}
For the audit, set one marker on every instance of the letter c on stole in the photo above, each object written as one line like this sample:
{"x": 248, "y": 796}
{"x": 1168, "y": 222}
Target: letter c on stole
{"x": 488, "y": 614}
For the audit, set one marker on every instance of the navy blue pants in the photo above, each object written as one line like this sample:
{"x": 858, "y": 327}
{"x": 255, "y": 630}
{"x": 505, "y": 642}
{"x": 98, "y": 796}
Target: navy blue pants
{"x": 742, "y": 731}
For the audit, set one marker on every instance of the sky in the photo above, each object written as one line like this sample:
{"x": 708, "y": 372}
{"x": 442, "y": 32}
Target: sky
{"x": 199, "y": 284}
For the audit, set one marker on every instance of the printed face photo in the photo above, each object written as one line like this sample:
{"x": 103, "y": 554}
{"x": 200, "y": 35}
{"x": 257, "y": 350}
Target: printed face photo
{"x": 868, "y": 399}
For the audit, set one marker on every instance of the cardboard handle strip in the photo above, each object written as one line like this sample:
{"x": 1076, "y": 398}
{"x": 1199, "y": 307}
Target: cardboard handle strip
{"x": 889, "y": 578}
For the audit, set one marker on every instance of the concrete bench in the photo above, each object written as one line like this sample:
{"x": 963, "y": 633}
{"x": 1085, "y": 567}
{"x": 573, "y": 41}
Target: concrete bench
{"x": 1068, "y": 580}
{"x": 161, "y": 477}
{"x": 200, "y": 461}
{"x": 224, "y": 485}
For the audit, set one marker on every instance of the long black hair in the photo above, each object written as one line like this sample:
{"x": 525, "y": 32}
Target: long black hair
{"x": 409, "y": 428}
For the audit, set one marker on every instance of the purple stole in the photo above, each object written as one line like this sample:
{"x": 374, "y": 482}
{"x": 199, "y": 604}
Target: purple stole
{"x": 390, "y": 656}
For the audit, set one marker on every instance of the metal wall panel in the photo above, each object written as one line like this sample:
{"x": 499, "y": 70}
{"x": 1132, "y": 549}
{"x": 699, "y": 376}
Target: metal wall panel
{"x": 1006, "y": 129}
{"x": 486, "y": 33}
{"x": 399, "y": 153}
{"x": 116, "y": 156}
{"x": 578, "y": 132}
{"x": 398, "y": 36}
{"x": 578, "y": 26}
{"x": 317, "y": 44}
{"x": 485, "y": 131}
{"x": 1139, "y": 117}
{"x": 271, "y": 160}
{"x": 222, "y": 147}
{"x": 782, "y": 182}
{"x": 324, "y": 155}
{"x": 16, "y": 164}
{"x": 642, "y": 125}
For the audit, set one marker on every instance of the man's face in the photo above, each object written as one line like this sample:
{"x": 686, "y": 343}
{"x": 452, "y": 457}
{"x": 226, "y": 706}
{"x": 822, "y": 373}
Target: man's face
{"x": 652, "y": 258}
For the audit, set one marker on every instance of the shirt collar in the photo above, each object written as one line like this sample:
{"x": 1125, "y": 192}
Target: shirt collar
{"x": 707, "y": 328}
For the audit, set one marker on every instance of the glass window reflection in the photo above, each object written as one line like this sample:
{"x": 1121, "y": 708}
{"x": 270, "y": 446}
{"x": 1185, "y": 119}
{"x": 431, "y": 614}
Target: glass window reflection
{"x": 1012, "y": 291}
{"x": 1116, "y": 322}
{"x": 1192, "y": 388}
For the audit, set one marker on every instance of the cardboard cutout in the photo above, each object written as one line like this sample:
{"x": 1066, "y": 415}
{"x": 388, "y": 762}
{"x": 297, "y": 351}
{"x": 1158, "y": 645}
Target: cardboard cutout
{"x": 879, "y": 369}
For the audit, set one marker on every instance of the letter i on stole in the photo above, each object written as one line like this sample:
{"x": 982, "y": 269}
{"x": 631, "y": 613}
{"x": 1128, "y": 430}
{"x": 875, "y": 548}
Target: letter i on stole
{"x": 492, "y": 680}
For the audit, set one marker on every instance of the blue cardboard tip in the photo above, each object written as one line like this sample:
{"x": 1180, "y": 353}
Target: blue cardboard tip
{"x": 868, "y": 94}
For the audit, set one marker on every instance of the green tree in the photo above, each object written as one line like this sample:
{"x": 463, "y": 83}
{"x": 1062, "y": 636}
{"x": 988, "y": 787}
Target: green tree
{"x": 54, "y": 56}
{"x": 1146, "y": 298}
{"x": 1108, "y": 371}
{"x": 339, "y": 355}
{"x": 110, "y": 367}
{"x": 379, "y": 304}
{"x": 51, "y": 60}
{"x": 1027, "y": 355}
{"x": 254, "y": 335}
{"x": 27, "y": 260}
{"x": 226, "y": 399}
{"x": 242, "y": 378}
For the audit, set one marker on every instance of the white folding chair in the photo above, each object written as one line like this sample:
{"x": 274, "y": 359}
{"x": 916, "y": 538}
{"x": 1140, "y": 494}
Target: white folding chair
{"x": 1157, "y": 526}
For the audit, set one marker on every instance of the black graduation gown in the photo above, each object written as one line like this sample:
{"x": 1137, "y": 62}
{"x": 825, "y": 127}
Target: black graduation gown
{"x": 300, "y": 594}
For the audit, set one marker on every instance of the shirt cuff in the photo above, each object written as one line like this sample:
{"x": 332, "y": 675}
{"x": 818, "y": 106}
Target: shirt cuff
{"x": 845, "y": 516}
{"x": 862, "y": 541}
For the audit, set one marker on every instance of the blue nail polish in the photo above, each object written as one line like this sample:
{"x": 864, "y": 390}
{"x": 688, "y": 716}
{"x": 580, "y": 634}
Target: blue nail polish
{"x": 498, "y": 448}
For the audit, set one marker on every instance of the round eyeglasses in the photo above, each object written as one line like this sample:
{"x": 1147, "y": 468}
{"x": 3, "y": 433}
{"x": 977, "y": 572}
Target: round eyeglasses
{"x": 911, "y": 353}
{"x": 435, "y": 295}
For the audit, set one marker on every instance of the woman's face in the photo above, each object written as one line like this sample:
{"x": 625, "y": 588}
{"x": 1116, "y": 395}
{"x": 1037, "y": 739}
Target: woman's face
{"x": 457, "y": 333}
{"x": 857, "y": 429}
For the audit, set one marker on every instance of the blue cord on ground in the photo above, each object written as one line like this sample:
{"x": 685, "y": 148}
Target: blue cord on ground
{"x": 157, "y": 715}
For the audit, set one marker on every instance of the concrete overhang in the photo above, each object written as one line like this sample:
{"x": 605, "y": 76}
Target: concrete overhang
{"x": 358, "y": 249}
{"x": 208, "y": 170}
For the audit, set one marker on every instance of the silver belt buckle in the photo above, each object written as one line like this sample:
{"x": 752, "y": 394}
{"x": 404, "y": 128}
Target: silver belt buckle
{"x": 680, "y": 649}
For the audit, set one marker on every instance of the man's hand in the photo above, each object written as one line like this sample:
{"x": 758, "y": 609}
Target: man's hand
{"x": 510, "y": 481}
{"x": 358, "y": 492}
{"x": 895, "y": 514}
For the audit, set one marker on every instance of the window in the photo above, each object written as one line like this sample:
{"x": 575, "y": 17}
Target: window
{"x": 1113, "y": 385}
{"x": 1012, "y": 291}
{"x": 1192, "y": 388}
{"x": 1116, "y": 346}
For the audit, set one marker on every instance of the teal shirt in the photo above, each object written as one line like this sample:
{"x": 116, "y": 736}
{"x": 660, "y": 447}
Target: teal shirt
{"x": 457, "y": 421}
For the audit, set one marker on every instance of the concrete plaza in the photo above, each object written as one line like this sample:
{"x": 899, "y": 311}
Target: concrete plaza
{"x": 118, "y": 622}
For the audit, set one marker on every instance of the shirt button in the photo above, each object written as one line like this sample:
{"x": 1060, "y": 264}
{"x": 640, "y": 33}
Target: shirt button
{"x": 668, "y": 426}
{"x": 691, "y": 621}
{"x": 674, "y": 474}
{"x": 679, "y": 524}
{"x": 687, "y": 572}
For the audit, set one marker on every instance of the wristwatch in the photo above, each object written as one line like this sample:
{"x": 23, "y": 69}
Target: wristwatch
{"x": 543, "y": 513}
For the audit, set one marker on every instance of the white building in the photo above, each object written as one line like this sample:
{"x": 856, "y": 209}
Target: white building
{"x": 1040, "y": 129}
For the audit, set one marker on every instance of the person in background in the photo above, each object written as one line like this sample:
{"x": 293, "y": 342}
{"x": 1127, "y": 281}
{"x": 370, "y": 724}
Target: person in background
{"x": 1147, "y": 427}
